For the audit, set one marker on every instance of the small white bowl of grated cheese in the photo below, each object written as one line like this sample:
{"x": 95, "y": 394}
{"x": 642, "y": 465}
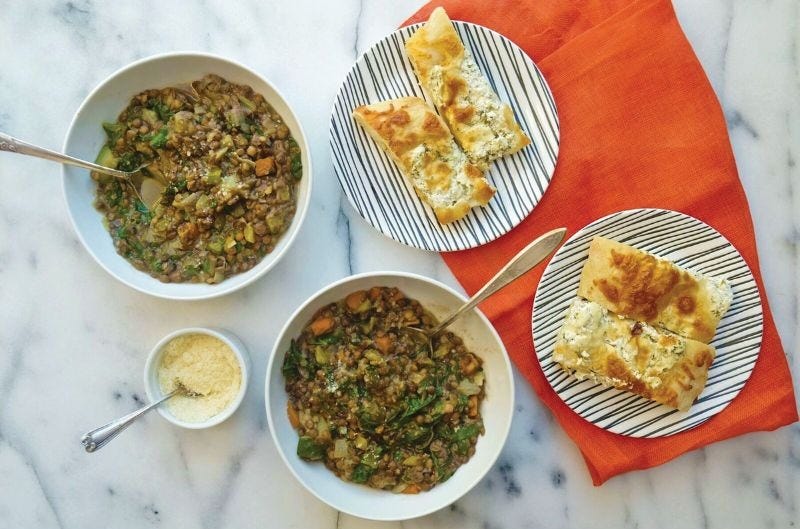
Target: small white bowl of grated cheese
{"x": 210, "y": 364}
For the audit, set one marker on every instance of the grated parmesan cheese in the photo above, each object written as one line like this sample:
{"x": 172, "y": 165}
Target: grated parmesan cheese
{"x": 204, "y": 365}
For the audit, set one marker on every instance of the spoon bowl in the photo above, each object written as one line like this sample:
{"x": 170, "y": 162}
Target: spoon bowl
{"x": 96, "y": 439}
{"x": 11, "y": 144}
{"x": 521, "y": 263}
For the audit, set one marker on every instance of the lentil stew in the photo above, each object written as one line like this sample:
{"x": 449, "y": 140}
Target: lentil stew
{"x": 374, "y": 404}
{"x": 229, "y": 168}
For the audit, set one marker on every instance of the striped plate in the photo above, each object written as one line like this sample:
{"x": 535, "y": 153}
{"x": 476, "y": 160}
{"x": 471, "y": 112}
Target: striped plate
{"x": 687, "y": 242}
{"x": 377, "y": 189}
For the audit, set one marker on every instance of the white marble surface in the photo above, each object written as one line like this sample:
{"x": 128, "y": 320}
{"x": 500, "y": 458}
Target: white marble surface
{"x": 73, "y": 340}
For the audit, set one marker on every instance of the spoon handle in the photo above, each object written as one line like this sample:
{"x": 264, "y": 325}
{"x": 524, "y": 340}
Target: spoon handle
{"x": 526, "y": 259}
{"x": 99, "y": 437}
{"x": 12, "y": 144}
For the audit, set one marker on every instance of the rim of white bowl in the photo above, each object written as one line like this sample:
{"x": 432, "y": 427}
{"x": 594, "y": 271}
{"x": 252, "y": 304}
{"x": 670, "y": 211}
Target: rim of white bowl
{"x": 154, "y": 392}
{"x": 275, "y": 353}
{"x": 300, "y": 214}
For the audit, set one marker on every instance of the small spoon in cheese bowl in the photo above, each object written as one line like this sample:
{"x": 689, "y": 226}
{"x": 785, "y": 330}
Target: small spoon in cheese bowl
{"x": 200, "y": 373}
{"x": 99, "y": 437}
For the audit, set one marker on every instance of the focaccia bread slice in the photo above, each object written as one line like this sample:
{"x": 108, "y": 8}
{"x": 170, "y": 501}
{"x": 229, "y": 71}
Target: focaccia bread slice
{"x": 418, "y": 141}
{"x": 639, "y": 285}
{"x": 632, "y": 356}
{"x": 483, "y": 125}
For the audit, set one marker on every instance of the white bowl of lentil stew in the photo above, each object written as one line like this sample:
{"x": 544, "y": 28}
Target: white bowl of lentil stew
{"x": 374, "y": 425}
{"x": 233, "y": 164}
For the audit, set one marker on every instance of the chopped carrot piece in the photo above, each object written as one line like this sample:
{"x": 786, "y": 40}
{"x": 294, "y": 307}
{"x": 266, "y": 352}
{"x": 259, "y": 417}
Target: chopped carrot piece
{"x": 412, "y": 489}
{"x": 321, "y": 325}
{"x": 354, "y": 300}
{"x": 292, "y": 413}
{"x": 264, "y": 166}
{"x": 383, "y": 343}
{"x": 374, "y": 293}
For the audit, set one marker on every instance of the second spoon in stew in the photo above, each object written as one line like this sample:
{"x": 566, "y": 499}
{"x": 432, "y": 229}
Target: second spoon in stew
{"x": 521, "y": 263}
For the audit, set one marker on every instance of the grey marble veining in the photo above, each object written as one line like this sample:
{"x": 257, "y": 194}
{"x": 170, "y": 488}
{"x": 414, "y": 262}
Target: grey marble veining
{"x": 74, "y": 340}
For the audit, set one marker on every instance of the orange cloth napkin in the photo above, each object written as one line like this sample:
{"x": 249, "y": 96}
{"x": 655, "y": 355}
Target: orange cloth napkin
{"x": 640, "y": 127}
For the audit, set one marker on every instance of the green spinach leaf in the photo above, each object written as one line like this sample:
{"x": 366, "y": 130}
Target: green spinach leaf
{"x": 144, "y": 211}
{"x": 414, "y": 405}
{"x": 161, "y": 109}
{"x": 369, "y": 462}
{"x": 291, "y": 361}
{"x": 295, "y": 159}
{"x": 129, "y": 161}
{"x": 466, "y": 432}
{"x": 442, "y": 468}
{"x": 416, "y": 435}
{"x": 159, "y": 139}
{"x": 328, "y": 339}
{"x": 361, "y": 473}
{"x": 370, "y": 416}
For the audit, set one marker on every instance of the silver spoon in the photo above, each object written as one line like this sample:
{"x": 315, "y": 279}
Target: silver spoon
{"x": 99, "y": 437}
{"x": 12, "y": 144}
{"x": 521, "y": 263}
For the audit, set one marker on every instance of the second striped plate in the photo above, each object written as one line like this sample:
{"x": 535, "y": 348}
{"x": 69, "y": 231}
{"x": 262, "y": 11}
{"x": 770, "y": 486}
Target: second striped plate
{"x": 687, "y": 242}
{"x": 377, "y": 189}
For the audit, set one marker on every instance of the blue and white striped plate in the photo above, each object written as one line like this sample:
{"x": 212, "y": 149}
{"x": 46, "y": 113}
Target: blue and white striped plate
{"x": 687, "y": 242}
{"x": 377, "y": 189}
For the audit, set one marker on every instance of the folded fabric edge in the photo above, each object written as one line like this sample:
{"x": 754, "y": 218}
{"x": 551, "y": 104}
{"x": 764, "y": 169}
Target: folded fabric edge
{"x": 599, "y": 477}
{"x": 454, "y": 9}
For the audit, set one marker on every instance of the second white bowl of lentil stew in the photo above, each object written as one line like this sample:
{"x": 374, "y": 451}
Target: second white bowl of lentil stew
{"x": 232, "y": 162}
{"x": 374, "y": 424}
